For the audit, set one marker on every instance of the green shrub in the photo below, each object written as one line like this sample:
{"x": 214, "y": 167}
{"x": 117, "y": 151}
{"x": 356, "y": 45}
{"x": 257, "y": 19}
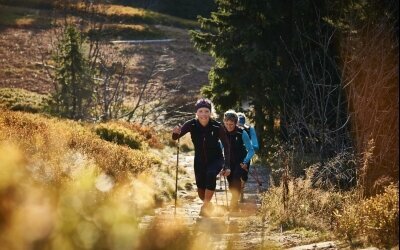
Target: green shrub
{"x": 146, "y": 133}
{"x": 120, "y": 135}
{"x": 22, "y": 100}
{"x": 375, "y": 220}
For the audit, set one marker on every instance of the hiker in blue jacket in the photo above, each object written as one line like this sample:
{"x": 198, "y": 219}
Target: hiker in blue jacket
{"x": 249, "y": 129}
{"x": 241, "y": 153}
{"x": 254, "y": 142}
{"x": 206, "y": 134}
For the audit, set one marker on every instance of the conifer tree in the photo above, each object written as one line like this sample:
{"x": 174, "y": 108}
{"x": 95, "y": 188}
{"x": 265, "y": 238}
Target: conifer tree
{"x": 243, "y": 38}
{"x": 73, "y": 96}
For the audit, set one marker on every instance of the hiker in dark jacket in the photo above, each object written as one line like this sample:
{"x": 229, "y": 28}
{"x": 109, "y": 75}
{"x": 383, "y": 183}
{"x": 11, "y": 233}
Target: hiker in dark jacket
{"x": 209, "y": 161}
{"x": 241, "y": 153}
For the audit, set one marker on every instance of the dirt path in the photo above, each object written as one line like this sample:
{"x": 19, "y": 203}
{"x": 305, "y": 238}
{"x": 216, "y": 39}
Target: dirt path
{"x": 230, "y": 228}
{"x": 240, "y": 230}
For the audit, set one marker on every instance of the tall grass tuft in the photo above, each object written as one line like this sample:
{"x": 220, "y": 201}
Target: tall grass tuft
{"x": 304, "y": 206}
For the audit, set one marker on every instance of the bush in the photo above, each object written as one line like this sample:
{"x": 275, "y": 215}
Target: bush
{"x": 120, "y": 135}
{"x": 147, "y": 134}
{"x": 46, "y": 142}
{"x": 22, "y": 100}
{"x": 375, "y": 220}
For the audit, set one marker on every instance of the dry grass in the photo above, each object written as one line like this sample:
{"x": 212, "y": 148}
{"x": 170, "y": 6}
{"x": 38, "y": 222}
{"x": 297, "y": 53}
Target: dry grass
{"x": 306, "y": 206}
{"x": 36, "y": 135}
{"x": 138, "y": 15}
{"x": 372, "y": 221}
{"x": 61, "y": 187}
{"x": 351, "y": 217}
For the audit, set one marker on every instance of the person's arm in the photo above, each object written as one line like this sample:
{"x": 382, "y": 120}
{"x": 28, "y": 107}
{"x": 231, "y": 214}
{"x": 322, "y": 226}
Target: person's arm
{"x": 227, "y": 149}
{"x": 254, "y": 140}
{"x": 249, "y": 148}
{"x": 180, "y": 131}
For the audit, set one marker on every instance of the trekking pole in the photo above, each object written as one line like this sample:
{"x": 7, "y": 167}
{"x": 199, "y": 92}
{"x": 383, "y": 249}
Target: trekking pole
{"x": 226, "y": 196}
{"x": 216, "y": 200}
{"x": 257, "y": 179}
{"x": 226, "y": 193}
{"x": 176, "y": 176}
{"x": 220, "y": 187}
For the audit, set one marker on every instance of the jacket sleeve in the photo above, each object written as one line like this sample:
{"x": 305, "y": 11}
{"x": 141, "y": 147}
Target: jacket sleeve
{"x": 249, "y": 148}
{"x": 254, "y": 140}
{"x": 227, "y": 148}
{"x": 184, "y": 130}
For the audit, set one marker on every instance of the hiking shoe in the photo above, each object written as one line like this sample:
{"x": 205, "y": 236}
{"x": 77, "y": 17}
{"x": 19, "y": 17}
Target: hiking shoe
{"x": 234, "y": 207}
{"x": 206, "y": 210}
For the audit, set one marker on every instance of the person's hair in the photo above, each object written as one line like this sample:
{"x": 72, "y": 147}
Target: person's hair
{"x": 203, "y": 103}
{"x": 241, "y": 118}
{"x": 231, "y": 115}
{"x": 206, "y": 103}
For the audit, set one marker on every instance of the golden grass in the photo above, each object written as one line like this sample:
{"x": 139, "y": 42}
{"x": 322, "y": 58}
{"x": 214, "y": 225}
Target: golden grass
{"x": 371, "y": 221}
{"x": 343, "y": 215}
{"x": 136, "y": 27}
{"x": 120, "y": 10}
{"x": 138, "y": 15}
{"x": 61, "y": 187}
{"x": 49, "y": 140}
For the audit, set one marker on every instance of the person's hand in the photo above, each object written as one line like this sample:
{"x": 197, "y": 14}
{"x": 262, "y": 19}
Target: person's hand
{"x": 177, "y": 129}
{"x": 225, "y": 172}
{"x": 244, "y": 166}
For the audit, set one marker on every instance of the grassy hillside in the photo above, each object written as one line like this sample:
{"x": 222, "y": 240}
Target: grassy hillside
{"x": 48, "y": 141}
{"x": 27, "y": 40}
{"x": 63, "y": 187}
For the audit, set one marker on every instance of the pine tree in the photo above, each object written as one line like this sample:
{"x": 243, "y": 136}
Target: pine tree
{"x": 75, "y": 87}
{"x": 243, "y": 37}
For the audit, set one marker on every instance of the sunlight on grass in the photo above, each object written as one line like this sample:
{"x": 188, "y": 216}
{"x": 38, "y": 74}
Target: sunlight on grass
{"x": 126, "y": 14}
{"x": 127, "y": 31}
{"x": 25, "y": 21}
{"x": 54, "y": 194}
{"x": 120, "y": 10}
{"x": 20, "y": 99}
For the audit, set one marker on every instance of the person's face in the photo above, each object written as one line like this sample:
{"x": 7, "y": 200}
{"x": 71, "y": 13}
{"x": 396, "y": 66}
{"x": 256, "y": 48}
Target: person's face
{"x": 229, "y": 125}
{"x": 203, "y": 114}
